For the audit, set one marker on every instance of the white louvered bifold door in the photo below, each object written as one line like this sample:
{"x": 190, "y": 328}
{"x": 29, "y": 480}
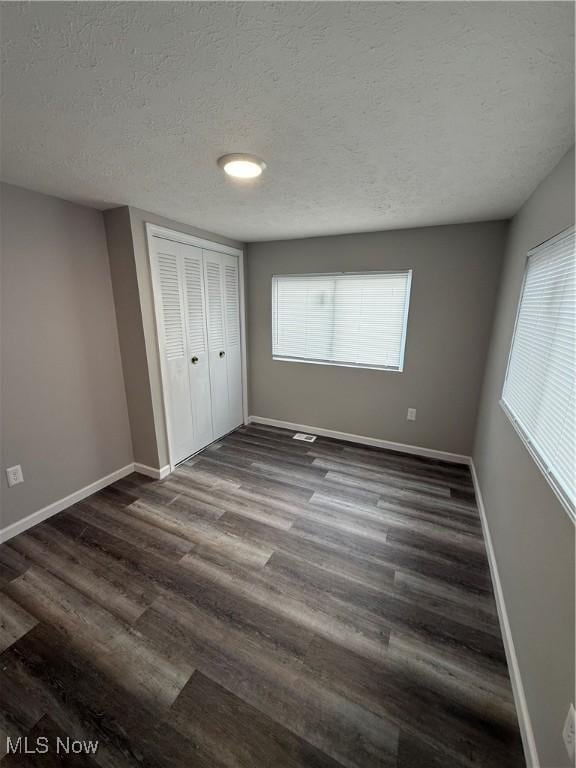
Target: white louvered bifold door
{"x": 171, "y": 322}
{"x": 233, "y": 345}
{"x": 197, "y": 300}
{"x": 216, "y": 341}
{"x": 198, "y": 358}
{"x": 223, "y": 316}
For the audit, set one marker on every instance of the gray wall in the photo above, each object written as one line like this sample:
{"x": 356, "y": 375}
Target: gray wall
{"x": 64, "y": 416}
{"x": 532, "y": 534}
{"x": 128, "y": 247}
{"x": 454, "y": 286}
{"x": 131, "y": 335}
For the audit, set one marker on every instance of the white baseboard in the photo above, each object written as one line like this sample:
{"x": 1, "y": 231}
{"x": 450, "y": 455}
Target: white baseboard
{"x": 376, "y": 442}
{"x": 43, "y": 514}
{"x": 528, "y": 741}
{"x": 52, "y": 509}
{"x": 157, "y": 474}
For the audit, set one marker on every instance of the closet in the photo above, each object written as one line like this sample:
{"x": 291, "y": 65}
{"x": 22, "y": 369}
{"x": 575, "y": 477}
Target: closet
{"x": 197, "y": 305}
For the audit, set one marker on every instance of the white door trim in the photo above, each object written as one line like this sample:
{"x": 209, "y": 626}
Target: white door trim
{"x": 153, "y": 230}
{"x": 199, "y": 242}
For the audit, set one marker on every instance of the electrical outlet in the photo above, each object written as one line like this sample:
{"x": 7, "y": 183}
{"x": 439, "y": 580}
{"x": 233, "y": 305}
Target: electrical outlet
{"x": 569, "y": 731}
{"x": 14, "y": 475}
{"x": 411, "y": 415}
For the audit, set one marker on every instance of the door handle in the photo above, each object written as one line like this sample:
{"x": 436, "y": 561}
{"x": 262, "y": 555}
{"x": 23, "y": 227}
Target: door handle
{"x": 221, "y": 354}
{"x": 194, "y": 360}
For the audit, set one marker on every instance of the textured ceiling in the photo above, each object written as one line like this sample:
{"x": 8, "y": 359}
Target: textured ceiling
{"x": 369, "y": 115}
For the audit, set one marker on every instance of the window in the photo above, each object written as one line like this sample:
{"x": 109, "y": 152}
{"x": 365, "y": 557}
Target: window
{"x": 540, "y": 386}
{"x": 342, "y": 319}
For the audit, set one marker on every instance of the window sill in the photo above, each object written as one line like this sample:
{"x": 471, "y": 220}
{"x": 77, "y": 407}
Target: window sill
{"x": 335, "y": 364}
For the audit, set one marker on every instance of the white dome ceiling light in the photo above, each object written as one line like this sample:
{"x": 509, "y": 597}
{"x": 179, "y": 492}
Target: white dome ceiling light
{"x": 241, "y": 166}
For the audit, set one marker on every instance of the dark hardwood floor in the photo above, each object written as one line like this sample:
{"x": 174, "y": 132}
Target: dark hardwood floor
{"x": 272, "y": 603}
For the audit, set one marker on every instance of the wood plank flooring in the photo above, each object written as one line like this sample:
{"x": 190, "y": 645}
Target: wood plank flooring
{"x": 271, "y": 604}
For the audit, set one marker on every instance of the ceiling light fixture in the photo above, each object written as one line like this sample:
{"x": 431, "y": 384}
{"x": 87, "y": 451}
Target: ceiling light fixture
{"x": 242, "y": 166}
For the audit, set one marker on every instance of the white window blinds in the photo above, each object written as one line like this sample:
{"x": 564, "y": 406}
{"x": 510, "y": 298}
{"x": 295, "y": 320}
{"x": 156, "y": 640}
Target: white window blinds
{"x": 344, "y": 319}
{"x": 540, "y": 387}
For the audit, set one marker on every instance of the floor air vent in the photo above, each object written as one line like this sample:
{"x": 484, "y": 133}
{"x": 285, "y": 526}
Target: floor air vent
{"x": 306, "y": 438}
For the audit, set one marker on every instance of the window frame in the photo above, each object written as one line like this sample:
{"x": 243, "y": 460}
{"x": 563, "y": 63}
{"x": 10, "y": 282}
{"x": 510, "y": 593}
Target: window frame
{"x": 545, "y": 468}
{"x": 341, "y": 364}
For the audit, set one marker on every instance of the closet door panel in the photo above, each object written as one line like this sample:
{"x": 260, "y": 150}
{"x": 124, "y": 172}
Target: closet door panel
{"x": 197, "y": 300}
{"x": 197, "y": 343}
{"x": 213, "y": 271}
{"x": 173, "y": 347}
{"x": 233, "y": 345}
